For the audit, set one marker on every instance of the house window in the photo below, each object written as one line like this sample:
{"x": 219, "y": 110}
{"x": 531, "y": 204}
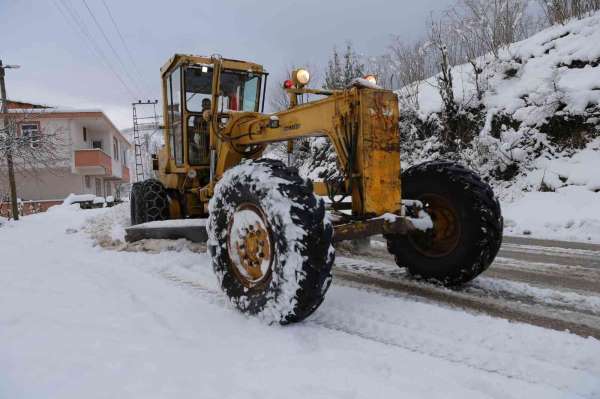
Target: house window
{"x": 84, "y": 134}
{"x": 108, "y": 189}
{"x": 124, "y": 155}
{"x": 30, "y": 132}
{"x": 88, "y": 183}
{"x": 98, "y": 187}
{"x": 97, "y": 144}
{"x": 115, "y": 148}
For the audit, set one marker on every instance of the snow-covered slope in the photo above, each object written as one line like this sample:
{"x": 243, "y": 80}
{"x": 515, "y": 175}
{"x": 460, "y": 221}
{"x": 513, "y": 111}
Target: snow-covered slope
{"x": 79, "y": 321}
{"x": 532, "y": 79}
{"x": 535, "y": 133}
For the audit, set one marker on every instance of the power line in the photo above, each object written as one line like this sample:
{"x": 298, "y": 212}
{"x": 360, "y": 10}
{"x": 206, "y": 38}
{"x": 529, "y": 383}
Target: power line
{"x": 107, "y": 40}
{"x": 85, "y": 34}
{"x": 125, "y": 46}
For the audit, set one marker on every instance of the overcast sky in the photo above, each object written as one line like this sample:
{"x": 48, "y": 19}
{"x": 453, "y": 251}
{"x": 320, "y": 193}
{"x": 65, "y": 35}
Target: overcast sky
{"x": 60, "y": 67}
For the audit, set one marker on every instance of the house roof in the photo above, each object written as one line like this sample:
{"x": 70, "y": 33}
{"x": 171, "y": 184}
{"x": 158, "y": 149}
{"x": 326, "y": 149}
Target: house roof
{"x": 14, "y": 104}
{"x": 71, "y": 113}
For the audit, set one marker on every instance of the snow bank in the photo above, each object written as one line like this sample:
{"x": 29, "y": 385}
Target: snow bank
{"x": 83, "y": 322}
{"x": 569, "y": 213}
{"x": 75, "y": 198}
{"x": 174, "y": 223}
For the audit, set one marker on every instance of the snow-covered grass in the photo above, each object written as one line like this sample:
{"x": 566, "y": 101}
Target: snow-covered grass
{"x": 80, "y": 321}
{"x": 571, "y": 213}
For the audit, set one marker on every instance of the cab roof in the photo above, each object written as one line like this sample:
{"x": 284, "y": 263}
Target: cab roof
{"x": 188, "y": 59}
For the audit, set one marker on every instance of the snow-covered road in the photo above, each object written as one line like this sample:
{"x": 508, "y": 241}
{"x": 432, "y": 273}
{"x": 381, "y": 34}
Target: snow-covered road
{"x": 78, "y": 320}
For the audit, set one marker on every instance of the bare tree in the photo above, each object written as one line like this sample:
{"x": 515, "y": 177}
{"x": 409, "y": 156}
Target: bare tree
{"x": 559, "y": 11}
{"x": 411, "y": 68}
{"x": 382, "y": 67}
{"x": 30, "y": 147}
{"x": 489, "y": 25}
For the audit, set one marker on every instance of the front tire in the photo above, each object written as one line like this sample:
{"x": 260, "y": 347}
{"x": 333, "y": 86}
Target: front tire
{"x": 270, "y": 241}
{"x": 467, "y": 231}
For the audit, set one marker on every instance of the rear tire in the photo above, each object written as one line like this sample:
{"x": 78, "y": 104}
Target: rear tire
{"x": 136, "y": 203}
{"x": 148, "y": 202}
{"x": 270, "y": 241}
{"x": 156, "y": 201}
{"x": 468, "y": 224}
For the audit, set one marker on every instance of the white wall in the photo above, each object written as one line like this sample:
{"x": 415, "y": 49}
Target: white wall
{"x": 57, "y": 184}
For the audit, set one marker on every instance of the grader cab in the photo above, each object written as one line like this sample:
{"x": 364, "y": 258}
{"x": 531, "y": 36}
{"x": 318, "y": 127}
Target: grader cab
{"x": 270, "y": 231}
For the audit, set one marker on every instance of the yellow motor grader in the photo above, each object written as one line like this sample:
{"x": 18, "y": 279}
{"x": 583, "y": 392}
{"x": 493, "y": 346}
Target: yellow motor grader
{"x": 270, "y": 231}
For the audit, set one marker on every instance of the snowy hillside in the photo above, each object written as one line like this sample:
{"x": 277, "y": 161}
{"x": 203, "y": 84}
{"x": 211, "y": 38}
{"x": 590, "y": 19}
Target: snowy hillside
{"x": 533, "y": 130}
{"x": 552, "y": 71}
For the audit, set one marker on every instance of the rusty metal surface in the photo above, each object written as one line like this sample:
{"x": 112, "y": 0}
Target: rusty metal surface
{"x": 379, "y": 152}
{"x": 371, "y": 227}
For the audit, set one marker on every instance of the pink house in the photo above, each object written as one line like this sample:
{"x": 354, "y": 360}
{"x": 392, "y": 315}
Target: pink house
{"x": 95, "y": 157}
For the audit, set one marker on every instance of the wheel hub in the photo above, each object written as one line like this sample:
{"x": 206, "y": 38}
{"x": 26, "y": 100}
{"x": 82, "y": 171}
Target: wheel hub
{"x": 249, "y": 245}
{"x": 446, "y": 232}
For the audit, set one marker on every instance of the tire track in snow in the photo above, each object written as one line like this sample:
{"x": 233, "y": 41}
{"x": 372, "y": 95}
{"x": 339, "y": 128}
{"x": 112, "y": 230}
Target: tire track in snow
{"x": 389, "y": 329}
{"x": 383, "y": 328}
{"x": 546, "y": 274}
{"x": 561, "y": 292}
{"x": 547, "y": 316}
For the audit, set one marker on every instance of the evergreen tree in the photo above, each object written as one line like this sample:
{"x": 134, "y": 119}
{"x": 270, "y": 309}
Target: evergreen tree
{"x": 338, "y": 76}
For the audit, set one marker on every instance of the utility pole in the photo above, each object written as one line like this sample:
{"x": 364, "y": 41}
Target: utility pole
{"x": 10, "y": 140}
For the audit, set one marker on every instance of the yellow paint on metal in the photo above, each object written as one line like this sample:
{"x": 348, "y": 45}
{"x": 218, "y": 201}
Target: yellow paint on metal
{"x": 361, "y": 123}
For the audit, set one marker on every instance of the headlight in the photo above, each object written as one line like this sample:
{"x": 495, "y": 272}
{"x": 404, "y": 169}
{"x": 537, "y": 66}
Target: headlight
{"x": 301, "y": 76}
{"x": 192, "y": 174}
{"x": 371, "y": 79}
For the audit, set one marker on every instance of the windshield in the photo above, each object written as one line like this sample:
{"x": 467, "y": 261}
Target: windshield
{"x": 240, "y": 91}
{"x": 198, "y": 87}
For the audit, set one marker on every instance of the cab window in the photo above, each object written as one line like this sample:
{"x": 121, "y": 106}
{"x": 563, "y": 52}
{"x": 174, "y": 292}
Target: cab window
{"x": 174, "y": 109}
{"x": 198, "y": 87}
{"x": 239, "y": 91}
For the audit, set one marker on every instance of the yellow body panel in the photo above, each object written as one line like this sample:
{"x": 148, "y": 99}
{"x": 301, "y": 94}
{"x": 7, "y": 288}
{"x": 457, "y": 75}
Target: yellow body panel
{"x": 360, "y": 122}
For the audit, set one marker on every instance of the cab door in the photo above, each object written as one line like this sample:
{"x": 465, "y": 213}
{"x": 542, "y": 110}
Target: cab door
{"x": 175, "y": 132}
{"x": 198, "y": 84}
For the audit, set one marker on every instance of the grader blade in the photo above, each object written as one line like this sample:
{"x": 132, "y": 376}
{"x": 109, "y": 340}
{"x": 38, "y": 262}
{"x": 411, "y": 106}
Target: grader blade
{"x": 193, "y": 230}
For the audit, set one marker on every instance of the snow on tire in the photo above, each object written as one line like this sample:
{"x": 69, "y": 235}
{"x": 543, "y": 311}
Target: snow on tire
{"x": 468, "y": 224}
{"x": 270, "y": 241}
